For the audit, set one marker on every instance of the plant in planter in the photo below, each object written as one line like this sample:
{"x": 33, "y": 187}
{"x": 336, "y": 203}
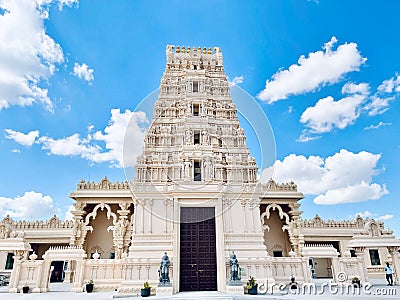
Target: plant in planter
{"x": 293, "y": 284}
{"x": 145, "y": 290}
{"x": 355, "y": 281}
{"x": 25, "y": 289}
{"x": 89, "y": 286}
{"x": 252, "y": 286}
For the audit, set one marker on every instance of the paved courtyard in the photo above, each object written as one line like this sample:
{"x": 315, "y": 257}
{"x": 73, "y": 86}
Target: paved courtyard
{"x": 377, "y": 290}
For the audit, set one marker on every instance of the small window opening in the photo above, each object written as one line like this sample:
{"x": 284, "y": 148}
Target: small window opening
{"x": 224, "y": 175}
{"x": 194, "y": 67}
{"x": 277, "y": 253}
{"x": 353, "y": 253}
{"x": 195, "y": 86}
{"x": 220, "y": 142}
{"x": 10, "y": 261}
{"x": 195, "y": 110}
{"x": 196, "y": 137}
{"x": 374, "y": 255}
{"x": 235, "y": 142}
{"x": 197, "y": 170}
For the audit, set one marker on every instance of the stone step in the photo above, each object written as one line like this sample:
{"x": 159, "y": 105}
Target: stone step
{"x": 202, "y": 296}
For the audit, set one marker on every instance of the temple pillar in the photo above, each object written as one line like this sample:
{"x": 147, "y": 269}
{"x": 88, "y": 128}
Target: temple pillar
{"x": 394, "y": 252}
{"x": 360, "y": 252}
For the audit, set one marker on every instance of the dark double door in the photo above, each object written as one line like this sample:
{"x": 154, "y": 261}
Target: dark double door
{"x": 198, "y": 262}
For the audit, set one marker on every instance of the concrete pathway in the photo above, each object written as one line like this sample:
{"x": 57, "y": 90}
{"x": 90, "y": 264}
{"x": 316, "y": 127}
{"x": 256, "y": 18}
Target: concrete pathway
{"x": 378, "y": 289}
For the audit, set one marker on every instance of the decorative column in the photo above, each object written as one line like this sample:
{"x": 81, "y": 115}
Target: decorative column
{"x": 78, "y": 234}
{"x": 16, "y": 272}
{"x": 68, "y": 272}
{"x": 394, "y": 252}
{"x": 243, "y": 203}
{"x": 120, "y": 229}
{"x": 360, "y": 252}
{"x": 150, "y": 220}
{"x": 254, "y": 206}
{"x": 227, "y": 214}
{"x": 166, "y": 204}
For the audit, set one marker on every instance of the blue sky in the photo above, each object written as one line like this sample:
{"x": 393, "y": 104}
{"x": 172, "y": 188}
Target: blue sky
{"x": 324, "y": 72}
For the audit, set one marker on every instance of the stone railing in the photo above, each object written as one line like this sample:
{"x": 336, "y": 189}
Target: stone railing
{"x": 283, "y": 268}
{"x": 351, "y": 267}
{"x": 29, "y": 273}
{"x": 318, "y": 222}
{"x": 53, "y": 222}
{"x": 43, "y": 224}
{"x": 318, "y": 245}
{"x": 104, "y": 184}
{"x": 107, "y": 274}
{"x": 137, "y": 272}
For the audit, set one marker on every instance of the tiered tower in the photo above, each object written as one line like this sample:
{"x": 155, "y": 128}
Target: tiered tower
{"x": 195, "y": 134}
{"x": 195, "y": 157}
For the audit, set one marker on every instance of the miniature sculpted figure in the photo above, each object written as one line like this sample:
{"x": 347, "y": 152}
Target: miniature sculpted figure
{"x": 163, "y": 271}
{"x": 208, "y": 169}
{"x": 188, "y": 137}
{"x": 205, "y": 138}
{"x": 234, "y": 264}
{"x": 186, "y": 169}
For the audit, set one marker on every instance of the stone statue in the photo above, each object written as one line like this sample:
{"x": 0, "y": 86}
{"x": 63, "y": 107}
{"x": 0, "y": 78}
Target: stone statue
{"x": 186, "y": 169}
{"x": 234, "y": 265}
{"x": 208, "y": 168}
{"x": 163, "y": 271}
{"x": 188, "y": 137}
{"x": 205, "y": 138}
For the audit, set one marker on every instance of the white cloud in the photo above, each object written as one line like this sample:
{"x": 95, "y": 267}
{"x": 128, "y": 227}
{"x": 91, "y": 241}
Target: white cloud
{"x": 68, "y": 213}
{"x": 328, "y": 114}
{"x": 368, "y": 214}
{"x": 69, "y": 146}
{"x": 386, "y": 92}
{"x": 365, "y": 214}
{"x": 354, "y": 193}
{"x": 69, "y": 3}
{"x": 31, "y": 205}
{"x": 342, "y": 177}
{"x": 390, "y": 85}
{"x": 125, "y": 129}
{"x": 237, "y": 80}
{"x": 320, "y": 68}
{"x": 28, "y": 56}
{"x": 307, "y": 137}
{"x": 16, "y": 151}
{"x": 24, "y": 139}
{"x": 386, "y": 217}
{"x": 380, "y": 124}
{"x": 121, "y": 126}
{"x": 83, "y": 72}
{"x": 378, "y": 105}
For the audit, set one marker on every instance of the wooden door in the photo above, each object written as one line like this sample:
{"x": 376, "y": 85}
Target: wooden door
{"x": 198, "y": 263}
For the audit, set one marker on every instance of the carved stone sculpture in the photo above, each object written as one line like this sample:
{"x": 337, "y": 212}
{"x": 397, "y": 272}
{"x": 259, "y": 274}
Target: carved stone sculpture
{"x": 234, "y": 278}
{"x": 163, "y": 271}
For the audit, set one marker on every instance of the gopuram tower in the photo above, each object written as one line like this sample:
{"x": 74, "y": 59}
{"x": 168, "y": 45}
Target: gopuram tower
{"x": 196, "y": 193}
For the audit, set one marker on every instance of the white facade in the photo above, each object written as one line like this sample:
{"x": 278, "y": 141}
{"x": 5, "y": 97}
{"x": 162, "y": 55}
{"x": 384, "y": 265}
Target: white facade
{"x": 194, "y": 157}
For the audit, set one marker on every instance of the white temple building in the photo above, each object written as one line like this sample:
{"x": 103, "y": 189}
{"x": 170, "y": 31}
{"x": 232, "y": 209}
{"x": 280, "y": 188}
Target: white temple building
{"x": 196, "y": 196}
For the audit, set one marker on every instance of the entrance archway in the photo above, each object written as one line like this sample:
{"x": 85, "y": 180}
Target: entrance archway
{"x": 55, "y": 261}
